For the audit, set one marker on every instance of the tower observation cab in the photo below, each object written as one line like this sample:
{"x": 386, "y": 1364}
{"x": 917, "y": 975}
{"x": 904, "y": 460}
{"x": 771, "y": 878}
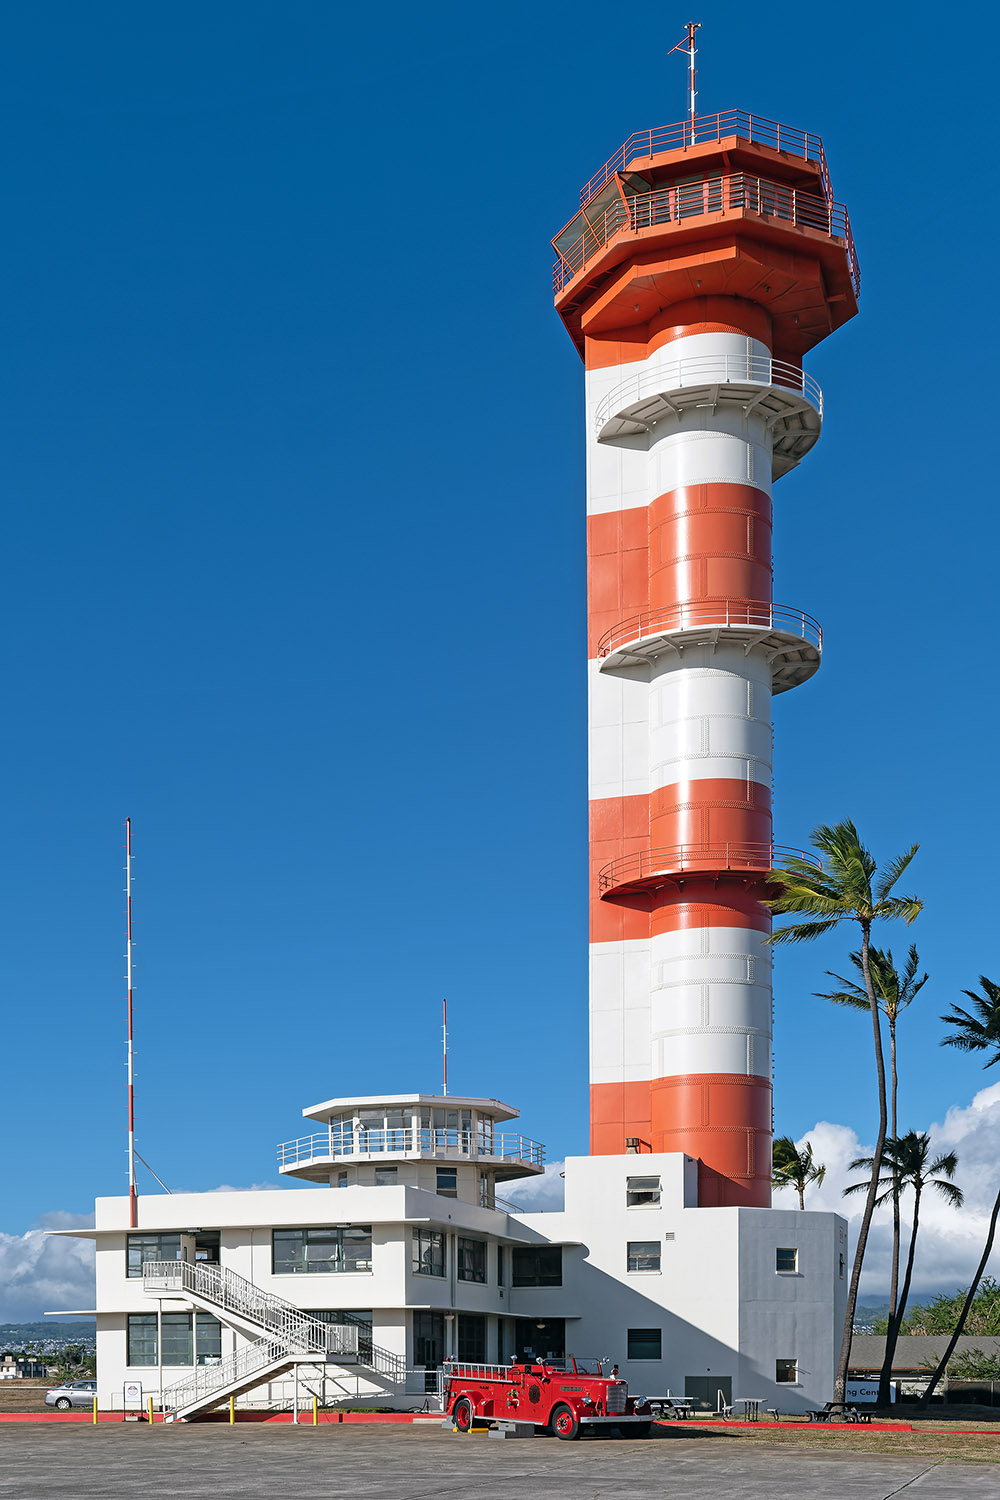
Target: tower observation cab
{"x": 451, "y": 1145}
{"x": 705, "y": 260}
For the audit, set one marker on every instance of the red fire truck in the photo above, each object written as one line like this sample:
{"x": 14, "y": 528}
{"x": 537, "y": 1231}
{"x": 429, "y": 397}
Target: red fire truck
{"x": 567, "y": 1396}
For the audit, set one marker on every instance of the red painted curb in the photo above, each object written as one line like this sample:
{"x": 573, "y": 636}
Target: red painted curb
{"x": 792, "y": 1426}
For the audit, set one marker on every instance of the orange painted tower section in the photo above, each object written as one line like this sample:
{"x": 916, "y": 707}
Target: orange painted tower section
{"x": 705, "y": 261}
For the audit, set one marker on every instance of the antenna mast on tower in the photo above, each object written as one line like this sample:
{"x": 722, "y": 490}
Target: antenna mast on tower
{"x": 688, "y": 46}
{"x": 444, "y": 1046}
{"x": 133, "y": 1197}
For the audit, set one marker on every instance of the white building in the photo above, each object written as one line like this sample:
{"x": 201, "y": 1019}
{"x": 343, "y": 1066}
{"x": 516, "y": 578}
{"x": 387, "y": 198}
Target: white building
{"x": 404, "y": 1254}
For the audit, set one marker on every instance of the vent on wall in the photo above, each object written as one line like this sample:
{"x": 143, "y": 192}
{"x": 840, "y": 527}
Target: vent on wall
{"x": 669, "y": 1235}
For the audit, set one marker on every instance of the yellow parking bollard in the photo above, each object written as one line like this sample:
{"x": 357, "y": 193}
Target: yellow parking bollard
{"x": 150, "y": 1411}
{"x": 95, "y": 1411}
{"x": 232, "y": 1410}
{"x": 315, "y": 1411}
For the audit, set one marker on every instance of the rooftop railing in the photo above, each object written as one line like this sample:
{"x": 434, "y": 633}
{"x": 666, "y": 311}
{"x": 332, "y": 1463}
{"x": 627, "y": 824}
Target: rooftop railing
{"x": 708, "y": 128}
{"x": 739, "y": 614}
{"x": 735, "y": 192}
{"x": 361, "y": 1143}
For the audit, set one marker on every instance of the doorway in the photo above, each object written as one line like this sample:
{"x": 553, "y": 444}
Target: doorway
{"x": 706, "y": 1388}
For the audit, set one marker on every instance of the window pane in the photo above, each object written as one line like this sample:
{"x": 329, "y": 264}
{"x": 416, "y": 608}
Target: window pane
{"x": 541, "y": 1266}
{"x": 447, "y": 1182}
{"x": 142, "y": 1338}
{"x": 786, "y": 1260}
{"x": 208, "y": 1339}
{"x": 472, "y": 1337}
{"x": 357, "y": 1248}
{"x": 642, "y": 1192}
{"x": 177, "y": 1342}
{"x": 645, "y": 1343}
{"x": 471, "y": 1260}
{"x": 143, "y": 1247}
{"x": 643, "y": 1255}
{"x": 386, "y": 1176}
{"x": 428, "y": 1252}
{"x": 500, "y": 1281}
{"x": 786, "y": 1371}
{"x": 317, "y": 1252}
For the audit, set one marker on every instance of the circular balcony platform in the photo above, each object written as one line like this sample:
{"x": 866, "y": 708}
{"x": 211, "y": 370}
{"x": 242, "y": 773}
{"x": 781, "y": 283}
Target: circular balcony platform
{"x": 792, "y": 639}
{"x": 650, "y": 868}
{"x": 790, "y": 402}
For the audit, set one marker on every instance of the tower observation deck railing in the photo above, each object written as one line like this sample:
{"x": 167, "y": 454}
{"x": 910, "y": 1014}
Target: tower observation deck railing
{"x": 746, "y": 368}
{"x": 505, "y": 1146}
{"x": 730, "y": 192}
{"x": 692, "y": 859}
{"x": 709, "y": 128}
{"x": 738, "y": 614}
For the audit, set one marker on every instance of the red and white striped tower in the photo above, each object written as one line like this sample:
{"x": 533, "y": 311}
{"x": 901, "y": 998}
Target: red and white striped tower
{"x": 704, "y": 263}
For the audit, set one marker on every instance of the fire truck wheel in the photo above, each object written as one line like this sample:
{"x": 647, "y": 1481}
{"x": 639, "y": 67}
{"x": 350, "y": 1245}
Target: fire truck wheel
{"x": 564, "y": 1424}
{"x": 462, "y": 1414}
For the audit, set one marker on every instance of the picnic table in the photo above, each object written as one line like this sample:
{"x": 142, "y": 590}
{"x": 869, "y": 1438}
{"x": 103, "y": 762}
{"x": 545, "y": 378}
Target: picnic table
{"x": 672, "y": 1406}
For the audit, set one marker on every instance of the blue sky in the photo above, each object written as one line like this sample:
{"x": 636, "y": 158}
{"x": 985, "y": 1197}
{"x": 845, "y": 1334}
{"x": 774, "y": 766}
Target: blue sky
{"x": 294, "y": 569}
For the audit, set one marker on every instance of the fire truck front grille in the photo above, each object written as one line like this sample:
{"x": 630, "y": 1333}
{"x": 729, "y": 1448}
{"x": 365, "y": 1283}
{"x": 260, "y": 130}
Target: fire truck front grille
{"x": 616, "y": 1399}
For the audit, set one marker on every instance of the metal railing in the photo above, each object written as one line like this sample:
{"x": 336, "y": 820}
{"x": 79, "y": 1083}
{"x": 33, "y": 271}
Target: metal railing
{"x": 506, "y": 1146}
{"x": 729, "y": 193}
{"x": 708, "y": 128}
{"x": 296, "y": 1330}
{"x": 382, "y": 1361}
{"x": 746, "y": 368}
{"x": 725, "y": 613}
{"x": 208, "y": 1380}
{"x": 505, "y": 1205}
{"x": 646, "y": 864}
{"x": 464, "y": 1370}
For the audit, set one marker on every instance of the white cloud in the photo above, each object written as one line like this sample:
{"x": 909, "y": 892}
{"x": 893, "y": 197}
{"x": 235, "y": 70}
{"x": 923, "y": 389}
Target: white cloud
{"x": 950, "y": 1241}
{"x": 544, "y": 1193}
{"x": 41, "y": 1273}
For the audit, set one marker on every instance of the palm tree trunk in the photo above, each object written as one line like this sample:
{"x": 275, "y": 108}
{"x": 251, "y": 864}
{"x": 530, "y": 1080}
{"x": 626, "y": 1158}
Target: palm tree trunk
{"x": 843, "y": 1363}
{"x": 885, "y": 1374}
{"x": 963, "y": 1315}
{"x": 895, "y": 1323}
{"x": 802, "y": 1192}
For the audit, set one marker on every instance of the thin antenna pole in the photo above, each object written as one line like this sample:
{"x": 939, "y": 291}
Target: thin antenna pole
{"x": 688, "y": 46}
{"x": 444, "y": 1046}
{"x": 133, "y": 1197}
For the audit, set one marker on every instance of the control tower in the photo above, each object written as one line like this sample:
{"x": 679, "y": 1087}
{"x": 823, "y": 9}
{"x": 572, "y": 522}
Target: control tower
{"x": 706, "y": 259}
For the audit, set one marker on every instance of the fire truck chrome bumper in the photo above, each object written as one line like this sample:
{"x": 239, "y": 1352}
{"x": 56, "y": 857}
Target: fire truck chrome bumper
{"x": 613, "y": 1421}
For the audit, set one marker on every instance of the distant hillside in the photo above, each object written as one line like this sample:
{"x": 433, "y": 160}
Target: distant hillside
{"x": 48, "y": 1328}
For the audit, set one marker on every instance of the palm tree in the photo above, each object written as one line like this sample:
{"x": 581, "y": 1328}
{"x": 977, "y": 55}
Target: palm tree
{"x": 906, "y": 1158}
{"x": 848, "y": 888}
{"x": 894, "y": 994}
{"x": 795, "y": 1168}
{"x": 979, "y": 1032}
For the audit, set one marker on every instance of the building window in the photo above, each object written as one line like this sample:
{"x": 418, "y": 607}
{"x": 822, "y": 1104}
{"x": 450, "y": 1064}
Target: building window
{"x": 500, "y": 1281}
{"x": 645, "y": 1343}
{"x": 142, "y": 1338}
{"x": 207, "y": 1339}
{"x": 487, "y": 1194}
{"x": 312, "y": 1252}
{"x": 786, "y": 1371}
{"x": 386, "y": 1176}
{"x": 643, "y": 1255}
{"x": 786, "y": 1260}
{"x": 472, "y": 1337}
{"x": 642, "y": 1192}
{"x": 341, "y": 1179}
{"x": 471, "y": 1260}
{"x": 428, "y": 1252}
{"x": 447, "y": 1182}
{"x": 539, "y": 1266}
{"x": 178, "y": 1344}
{"x": 143, "y": 1247}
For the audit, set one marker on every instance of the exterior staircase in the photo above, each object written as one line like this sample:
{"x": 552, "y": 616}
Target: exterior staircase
{"x": 281, "y": 1334}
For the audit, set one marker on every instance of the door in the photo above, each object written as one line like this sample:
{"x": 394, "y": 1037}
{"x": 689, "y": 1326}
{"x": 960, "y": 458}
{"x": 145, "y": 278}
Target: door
{"x": 706, "y": 1388}
{"x": 428, "y": 1346}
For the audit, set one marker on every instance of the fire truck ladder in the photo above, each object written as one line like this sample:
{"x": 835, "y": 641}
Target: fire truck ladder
{"x": 282, "y": 1335}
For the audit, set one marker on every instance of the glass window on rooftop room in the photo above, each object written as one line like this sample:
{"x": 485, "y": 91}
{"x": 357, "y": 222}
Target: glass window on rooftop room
{"x": 447, "y": 1182}
{"x": 144, "y": 1247}
{"x": 642, "y": 1192}
{"x": 386, "y": 1176}
{"x": 310, "y": 1252}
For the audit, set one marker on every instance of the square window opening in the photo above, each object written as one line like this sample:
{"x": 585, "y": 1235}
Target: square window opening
{"x": 643, "y": 1255}
{"x": 642, "y": 1192}
{"x": 645, "y": 1343}
{"x": 786, "y": 1260}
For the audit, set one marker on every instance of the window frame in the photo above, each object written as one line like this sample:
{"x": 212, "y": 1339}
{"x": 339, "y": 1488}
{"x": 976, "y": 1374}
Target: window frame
{"x": 643, "y": 1250}
{"x": 790, "y": 1365}
{"x": 446, "y": 1192}
{"x": 135, "y": 1241}
{"x": 470, "y": 1260}
{"x": 650, "y": 1202}
{"x": 148, "y": 1321}
{"x": 793, "y": 1269}
{"x": 526, "y": 1253}
{"x": 419, "y": 1237}
{"x": 335, "y": 1265}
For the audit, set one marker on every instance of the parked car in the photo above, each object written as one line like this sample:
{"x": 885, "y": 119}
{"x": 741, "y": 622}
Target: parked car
{"x": 72, "y": 1393}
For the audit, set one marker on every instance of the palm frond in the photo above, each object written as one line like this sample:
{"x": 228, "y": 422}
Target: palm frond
{"x": 891, "y": 874}
{"x": 802, "y": 932}
{"x": 900, "y": 909}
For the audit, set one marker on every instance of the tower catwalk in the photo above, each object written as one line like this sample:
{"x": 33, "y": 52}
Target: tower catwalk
{"x": 703, "y": 264}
